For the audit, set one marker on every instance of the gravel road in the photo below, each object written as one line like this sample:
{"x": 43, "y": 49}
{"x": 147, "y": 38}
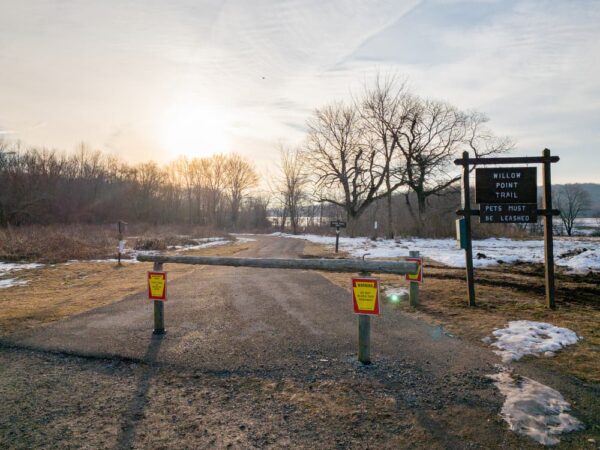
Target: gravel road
{"x": 251, "y": 359}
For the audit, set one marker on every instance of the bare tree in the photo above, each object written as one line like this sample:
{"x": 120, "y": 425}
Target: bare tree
{"x": 571, "y": 200}
{"x": 291, "y": 185}
{"x": 382, "y": 114}
{"x": 346, "y": 160}
{"x": 432, "y": 134}
{"x": 240, "y": 177}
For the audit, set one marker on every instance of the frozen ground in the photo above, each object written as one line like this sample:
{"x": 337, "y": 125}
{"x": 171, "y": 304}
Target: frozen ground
{"x": 578, "y": 255}
{"x": 534, "y": 409}
{"x": 525, "y": 337}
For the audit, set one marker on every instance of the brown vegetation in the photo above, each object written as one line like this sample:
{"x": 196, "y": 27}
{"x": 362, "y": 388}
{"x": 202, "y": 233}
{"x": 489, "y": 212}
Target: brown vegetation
{"x": 61, "y": 243}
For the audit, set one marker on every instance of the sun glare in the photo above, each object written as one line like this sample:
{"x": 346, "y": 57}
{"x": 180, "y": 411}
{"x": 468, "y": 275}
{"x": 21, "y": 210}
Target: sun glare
{"x": 195, "y": 131}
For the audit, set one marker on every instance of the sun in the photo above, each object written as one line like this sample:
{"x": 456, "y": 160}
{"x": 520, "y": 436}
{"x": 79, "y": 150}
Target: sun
{"x": 195, "y": 130}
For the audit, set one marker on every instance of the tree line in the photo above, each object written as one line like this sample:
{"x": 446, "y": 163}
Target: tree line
{"x": 86, "y": 186}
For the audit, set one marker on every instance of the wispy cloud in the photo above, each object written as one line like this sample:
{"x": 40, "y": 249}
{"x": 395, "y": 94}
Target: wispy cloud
{"x": 90, "y": 69}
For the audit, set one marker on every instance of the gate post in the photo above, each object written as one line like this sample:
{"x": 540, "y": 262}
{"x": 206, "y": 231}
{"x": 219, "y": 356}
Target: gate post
{"x": 159, "y": 308}
{"x": 364, "y": 334}
{"x": 413, "y": 295}
{"x": 364, "y": 338}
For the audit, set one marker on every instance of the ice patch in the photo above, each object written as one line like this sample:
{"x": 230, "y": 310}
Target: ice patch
{"x": 533, "y": 409}
{"x": 525, "y": 337}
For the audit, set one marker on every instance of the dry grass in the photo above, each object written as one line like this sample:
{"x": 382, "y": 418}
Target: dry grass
{"x": 503, "y": 294}
{"x": 56, "y": 243}
{"x": 61, "y": 243}
{"x": 61, "y": 290}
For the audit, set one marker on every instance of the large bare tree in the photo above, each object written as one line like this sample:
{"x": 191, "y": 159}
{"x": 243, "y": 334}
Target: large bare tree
{"x": 382, "y": 113}
{"x": 432, "y": 134}
{"x": 347, "y": 162}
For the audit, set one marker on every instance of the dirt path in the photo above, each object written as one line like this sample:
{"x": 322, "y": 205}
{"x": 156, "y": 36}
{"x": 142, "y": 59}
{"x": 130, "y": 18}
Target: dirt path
{"x": 252, "y": 359}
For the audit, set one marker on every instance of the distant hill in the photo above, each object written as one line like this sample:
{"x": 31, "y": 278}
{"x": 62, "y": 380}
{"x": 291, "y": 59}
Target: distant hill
{"x": 593, "y": 189}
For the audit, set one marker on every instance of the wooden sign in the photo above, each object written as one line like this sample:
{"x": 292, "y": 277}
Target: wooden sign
{"x": 157, "y": 285}
{"x": 418, "y": 277}
{"x": 338, "y": 224}
{"x": 365, "y": 295}
{"x": 508, "y": 213}
{"x": 506, "y": 185}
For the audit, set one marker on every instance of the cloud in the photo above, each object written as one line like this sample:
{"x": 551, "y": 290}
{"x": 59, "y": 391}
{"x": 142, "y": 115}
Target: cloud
{"x": 88, "y": 69}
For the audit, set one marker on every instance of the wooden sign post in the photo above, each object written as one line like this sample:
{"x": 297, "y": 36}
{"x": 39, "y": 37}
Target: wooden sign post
{"x": 508, "y": 195}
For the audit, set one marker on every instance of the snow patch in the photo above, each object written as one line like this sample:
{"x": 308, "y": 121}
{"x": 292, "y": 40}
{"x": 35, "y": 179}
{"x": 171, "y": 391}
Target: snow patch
{"x": 525, "y": 337}
{"x": 11, "y": 267}
{"x": 204, "y": 243}
{"x": 6, "y": 268}
{"x": 244, "y": 239}
{"x": 533, "y": 409}
{"x": 486, "y": 252}
{"x": 10, "y": 282}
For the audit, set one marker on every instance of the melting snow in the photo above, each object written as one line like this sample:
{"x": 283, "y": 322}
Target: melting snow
{"x": 10, "y": 282}
{"x": 10, "y": 267}
{"x": 486, "y": 252}
{"x": 203, "y": 243}
{"x": 6, "y": 268}
{"x": 524, "y": 337}
{"x": 533, "y": 409}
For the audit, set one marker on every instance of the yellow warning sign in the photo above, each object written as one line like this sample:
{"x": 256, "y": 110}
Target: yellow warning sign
{"x": 157, "y": 285}
{"x": 418, "y": 277}
{"x": 365, "y": 295}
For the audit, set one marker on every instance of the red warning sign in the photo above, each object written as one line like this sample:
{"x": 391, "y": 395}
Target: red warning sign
{"x": 365, "y": 295}
{"x": 157, "y": 285}
{"x": 418, "y": 277}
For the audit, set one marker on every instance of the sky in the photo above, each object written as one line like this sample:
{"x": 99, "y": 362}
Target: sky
{"x": 146, "y": 79}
